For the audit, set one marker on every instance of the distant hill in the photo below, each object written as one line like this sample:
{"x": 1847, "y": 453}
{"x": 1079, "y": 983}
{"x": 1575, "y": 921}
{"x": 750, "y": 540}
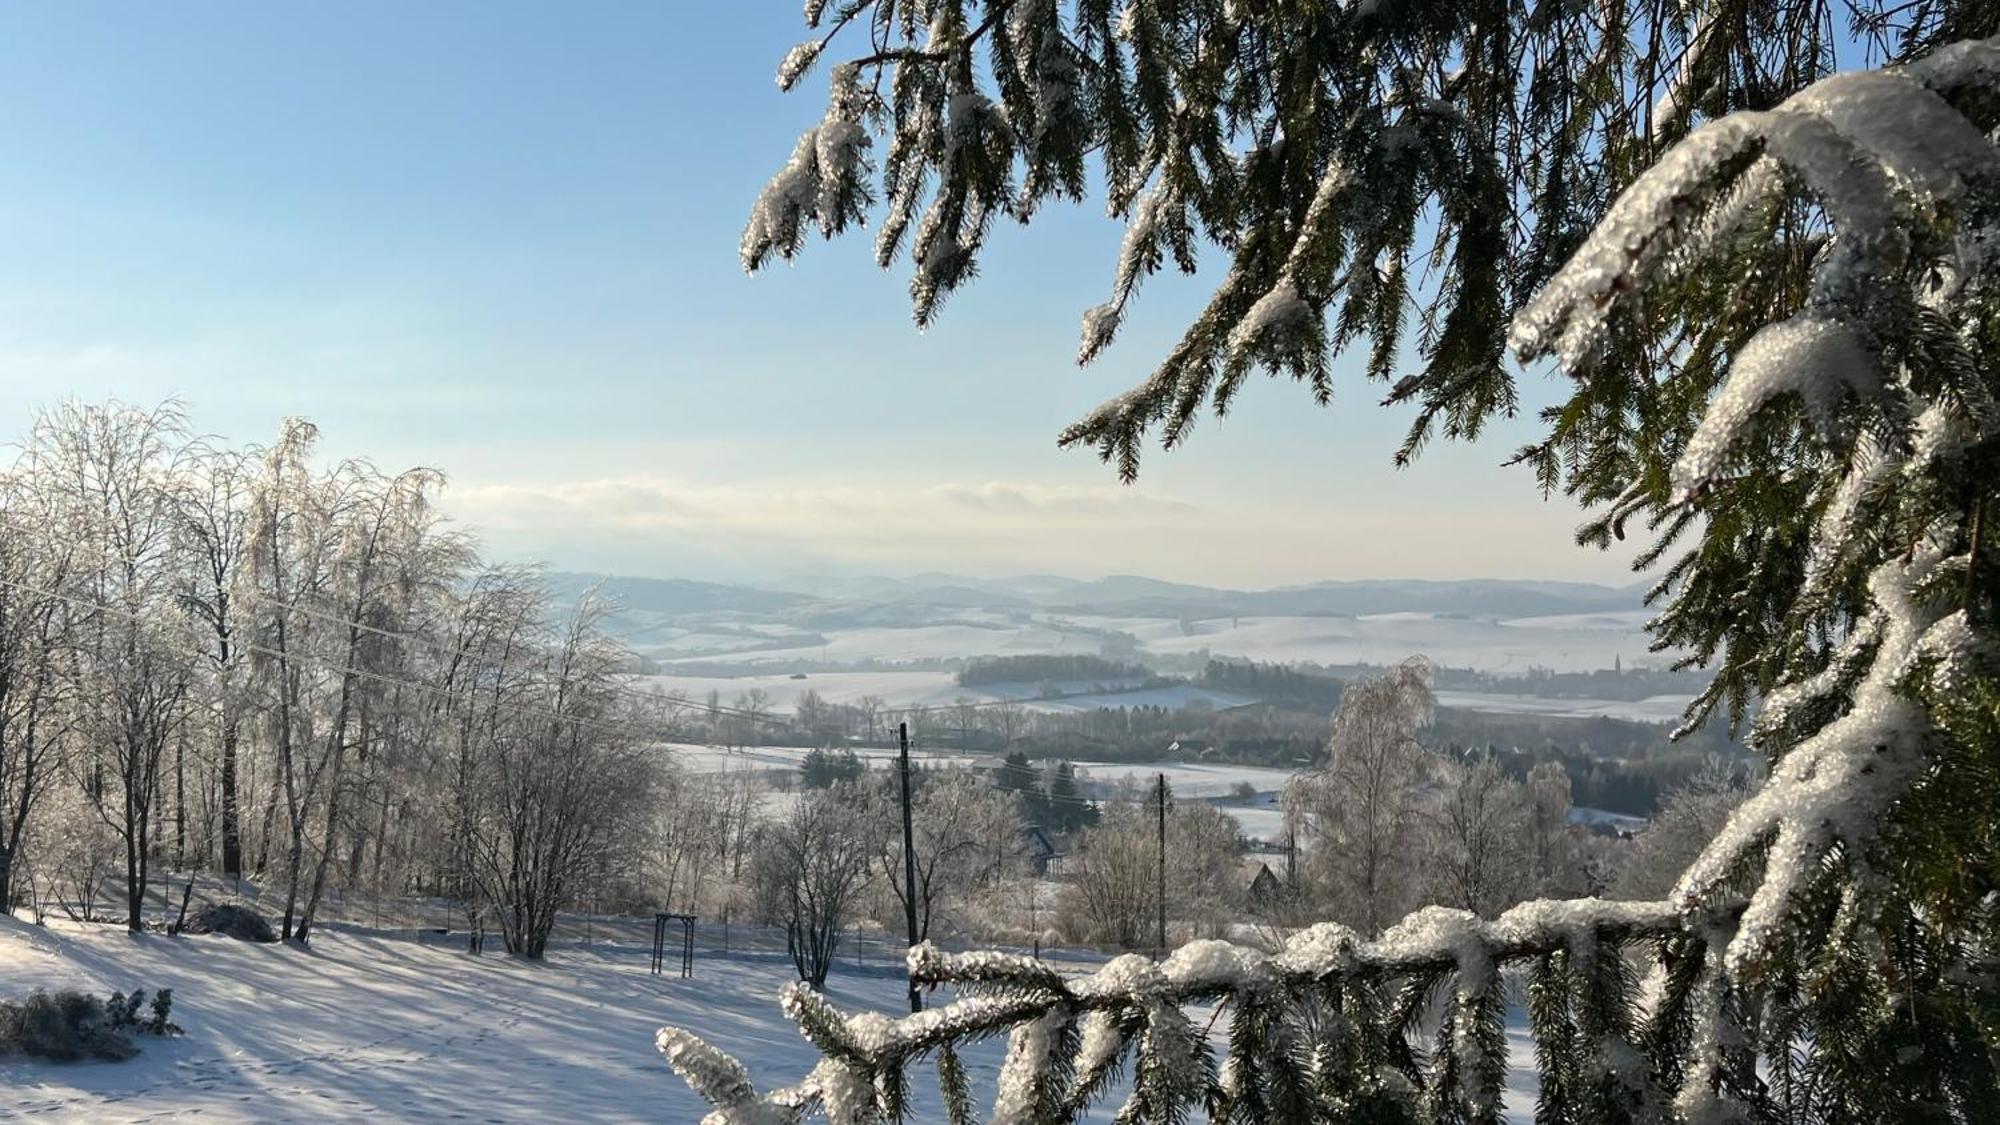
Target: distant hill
{"x": 882, "y": 600}
{"x": 1141, "y": 597}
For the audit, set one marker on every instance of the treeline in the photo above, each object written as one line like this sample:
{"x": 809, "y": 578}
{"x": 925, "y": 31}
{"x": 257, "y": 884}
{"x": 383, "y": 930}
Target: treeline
{"x": 1318, "y": 685}
{"x": 1266, "y": 735}
{"x": 1050, "y": 668}
{"x": 241, "y": 661}
{"x": 1274, "y": 683}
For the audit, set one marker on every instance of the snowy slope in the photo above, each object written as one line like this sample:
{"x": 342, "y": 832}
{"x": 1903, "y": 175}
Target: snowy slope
{"x": 367, "y": 1026}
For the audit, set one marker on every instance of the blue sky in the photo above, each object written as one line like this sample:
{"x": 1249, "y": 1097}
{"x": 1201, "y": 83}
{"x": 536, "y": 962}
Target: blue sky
{"x": 500, "y": 239}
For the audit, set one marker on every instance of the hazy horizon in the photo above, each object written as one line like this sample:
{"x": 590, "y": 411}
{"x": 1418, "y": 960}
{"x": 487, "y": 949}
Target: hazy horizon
{"x": 803, "y": 582}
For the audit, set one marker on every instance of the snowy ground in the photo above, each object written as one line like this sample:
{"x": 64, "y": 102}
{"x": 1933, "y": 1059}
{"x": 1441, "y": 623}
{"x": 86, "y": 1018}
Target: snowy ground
{"x": 368, "y": 1026}
{"x": 937, "y": 689}
{"x": 372, "y": 1027}
{"x": 1576, "y": 642}
{"x": 1567, "y": 644}
{"x": 1653, "y": 709}
{"x": 717, "y": 759}
{"x": 1184, "y": 779}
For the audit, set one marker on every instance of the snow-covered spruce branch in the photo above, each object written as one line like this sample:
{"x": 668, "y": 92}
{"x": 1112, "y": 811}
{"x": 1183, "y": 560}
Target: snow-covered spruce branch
{"x": 1068, "y": 1035}
{"x": 1886, "y": 355}
{"x": 1908, "y": 184}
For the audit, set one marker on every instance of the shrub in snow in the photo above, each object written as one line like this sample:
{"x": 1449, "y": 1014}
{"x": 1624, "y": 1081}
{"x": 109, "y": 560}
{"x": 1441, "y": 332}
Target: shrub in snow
{"x": 1831, "y": 954}
{"x": 160, "y": 1021}
{"x": 122, "y": 1010}
{"x": 231, "y": 919}
{"x": 63, "y": 1026}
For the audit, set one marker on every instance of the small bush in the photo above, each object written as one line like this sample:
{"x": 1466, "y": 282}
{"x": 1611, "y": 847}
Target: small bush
{"x": 231, "y": 919}
{"x": 62, "y": 1026}
{"x": 163, "y": 1007}
{"x": 123, "y": 1012}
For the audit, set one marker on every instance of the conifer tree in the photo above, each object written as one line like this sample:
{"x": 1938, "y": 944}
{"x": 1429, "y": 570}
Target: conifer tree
{"x": 1391, "y": 177}
{"x": 1785, "y": 336}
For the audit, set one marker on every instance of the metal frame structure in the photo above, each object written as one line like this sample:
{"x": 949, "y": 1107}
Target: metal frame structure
{"x": 687, "y": 922}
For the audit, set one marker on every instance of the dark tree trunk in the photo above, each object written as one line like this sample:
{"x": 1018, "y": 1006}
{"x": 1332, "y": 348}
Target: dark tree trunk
{"x": 180, "y": 803}
{"x": 232, "y": 829}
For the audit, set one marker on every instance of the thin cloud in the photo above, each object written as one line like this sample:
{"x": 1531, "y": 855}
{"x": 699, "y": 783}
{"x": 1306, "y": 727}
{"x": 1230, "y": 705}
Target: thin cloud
{"x": 747, "y": 530}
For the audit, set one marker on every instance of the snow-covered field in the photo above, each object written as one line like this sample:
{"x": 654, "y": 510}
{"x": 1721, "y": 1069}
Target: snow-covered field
{"x": 1188, "y": 780}
{"x": 1655, "y": 709}
{"x": 928, "y": 642}
{"x": 697, "y": 758}
{"x": 1566, "y": 644}
{"x": 1184, "y": 779}
{"x": 931, "y": 689}
{"x": 1572, "y": 642}
{"x": 369, "y": 1027}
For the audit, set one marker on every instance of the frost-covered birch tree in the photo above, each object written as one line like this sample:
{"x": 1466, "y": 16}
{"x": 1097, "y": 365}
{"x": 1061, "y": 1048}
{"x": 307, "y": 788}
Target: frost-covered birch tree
{"x": 35, "y": 646}
{"x": 1474, "y": 852}
{"x": 113, "y": 470}
{"x": 1357, "y": 817}
{"x": 213, "y": 526}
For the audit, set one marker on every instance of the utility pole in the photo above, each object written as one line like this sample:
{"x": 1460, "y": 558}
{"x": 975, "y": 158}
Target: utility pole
{"x": 909, "y": 854}
{"x": 1163, "y": 865}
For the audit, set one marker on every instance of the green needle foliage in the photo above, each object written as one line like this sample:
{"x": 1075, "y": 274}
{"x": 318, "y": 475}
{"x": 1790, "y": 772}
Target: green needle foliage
{"x": 1388, "y": 176}
{"x": 1784, "y": 332}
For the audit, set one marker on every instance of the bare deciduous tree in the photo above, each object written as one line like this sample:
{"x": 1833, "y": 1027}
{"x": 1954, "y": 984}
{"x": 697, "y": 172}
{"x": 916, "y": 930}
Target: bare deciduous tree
{"x": 1476, "y": 854}
{"x": 810, "y": 868}
{"x": 113, "y": 472}
{"x": 566, "y": 786}
{"x": 967, "y": 835}
{"x": 34, "y": 636}
{"x": 1114, "y": 893}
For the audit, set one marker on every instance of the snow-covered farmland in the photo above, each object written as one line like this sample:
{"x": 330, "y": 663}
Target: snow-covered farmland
{"x": 1259, "y": 818}
{"x": 927, "y": 642}
{"x": 370, "y": 1026}
{"x": 1573, "y": 642}
{"x": 721, "y": 759}
{"x": 1655, "y": 709}
{"x": 898, "y": 689}
{"x": 1579, "y": 642}
{"x": 1192, "y": 780}
{"x": 935, "y": 689}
